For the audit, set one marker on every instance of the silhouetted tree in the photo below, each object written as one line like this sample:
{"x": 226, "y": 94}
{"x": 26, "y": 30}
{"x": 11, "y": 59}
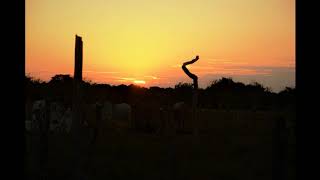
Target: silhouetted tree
{"x": 60, "y": 88}
{"x": 223, "y": 93}
{"x": 287, "y": 98}
{"x": 61, "y": 79}
{"x": 183, "y": 92}
{"x": 194, "y": 92}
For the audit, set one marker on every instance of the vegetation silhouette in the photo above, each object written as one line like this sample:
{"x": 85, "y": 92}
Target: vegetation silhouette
{"x": 223, "y": 93}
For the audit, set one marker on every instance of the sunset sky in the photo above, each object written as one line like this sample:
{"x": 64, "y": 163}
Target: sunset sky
{"x": 145, "y": 42}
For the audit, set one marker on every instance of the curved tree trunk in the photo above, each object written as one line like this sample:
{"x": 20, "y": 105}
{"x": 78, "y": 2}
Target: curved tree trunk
{"x": 195, "y": 93}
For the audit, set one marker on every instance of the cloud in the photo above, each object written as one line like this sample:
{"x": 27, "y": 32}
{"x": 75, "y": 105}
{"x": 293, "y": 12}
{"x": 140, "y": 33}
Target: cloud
{"x": 176, "y": 66}
{"x": 277, "y": 78}
{"x": 214, "y": 61}
{"x": 102, "y": 72}
{"x": 126, "y": 79}
{"x": 237, "y": 69}
{"x": 152, "y": 77}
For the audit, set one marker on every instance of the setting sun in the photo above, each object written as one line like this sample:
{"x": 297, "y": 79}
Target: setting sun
{"x": 139, "y": 82}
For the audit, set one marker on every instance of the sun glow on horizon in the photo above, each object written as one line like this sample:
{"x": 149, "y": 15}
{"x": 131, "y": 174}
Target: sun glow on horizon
{"x": 139, "y": 82}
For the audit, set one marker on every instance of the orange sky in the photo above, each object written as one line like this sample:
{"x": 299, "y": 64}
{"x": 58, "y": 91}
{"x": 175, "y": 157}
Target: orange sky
{"x": 145, "y": 42}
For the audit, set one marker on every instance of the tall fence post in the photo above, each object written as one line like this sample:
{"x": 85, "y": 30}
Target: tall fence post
{"x": 78, "y": 148}
{"x": 76, "y": 106}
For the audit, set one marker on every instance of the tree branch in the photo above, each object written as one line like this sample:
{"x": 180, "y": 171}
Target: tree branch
{"x": 195, "y": 93}
{"x": 192, "y": 76}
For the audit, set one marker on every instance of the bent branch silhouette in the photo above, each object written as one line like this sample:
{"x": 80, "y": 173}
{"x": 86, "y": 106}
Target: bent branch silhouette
{"x": 195, "y": 92}
{"x": 192, "y": 76}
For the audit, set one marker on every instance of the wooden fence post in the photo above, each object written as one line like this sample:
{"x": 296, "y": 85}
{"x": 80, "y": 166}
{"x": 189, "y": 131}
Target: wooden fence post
{"x": 78, "y": 145}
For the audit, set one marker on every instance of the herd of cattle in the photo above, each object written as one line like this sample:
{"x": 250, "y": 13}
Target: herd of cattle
{"x": 59, "y": 116}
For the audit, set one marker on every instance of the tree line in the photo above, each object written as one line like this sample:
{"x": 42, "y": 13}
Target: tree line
{"x": 223, "y": 93}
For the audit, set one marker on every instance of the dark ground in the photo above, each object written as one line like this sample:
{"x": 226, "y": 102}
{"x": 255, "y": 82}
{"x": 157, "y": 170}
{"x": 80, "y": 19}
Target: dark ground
{"x": 125, "y": 155}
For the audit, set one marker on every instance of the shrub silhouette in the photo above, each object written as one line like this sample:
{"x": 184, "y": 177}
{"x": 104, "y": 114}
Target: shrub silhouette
{"x": 223, "y": 93}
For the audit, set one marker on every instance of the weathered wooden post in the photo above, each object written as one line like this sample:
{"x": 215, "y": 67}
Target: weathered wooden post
{"x": 78, "y": 146}
{"x": 76, "y": 106}
{"x": 195, "y": 93}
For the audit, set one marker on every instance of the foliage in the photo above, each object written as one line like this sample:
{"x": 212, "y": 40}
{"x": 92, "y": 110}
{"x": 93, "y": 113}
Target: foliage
{"x": 223, "y": 93}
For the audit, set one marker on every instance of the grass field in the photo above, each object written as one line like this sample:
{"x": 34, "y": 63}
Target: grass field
{"x": 236, "y": 148}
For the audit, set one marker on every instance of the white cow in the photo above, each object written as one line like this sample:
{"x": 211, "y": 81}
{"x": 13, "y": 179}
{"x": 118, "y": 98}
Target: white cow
{"x": 179, "y": 105}
{"x": 28, "y": 113}
{"x": 106, "y": 113}
{"x": 67, "y": 120}
{"x": 38, "y": 113}
{"x": 114, "y": 115}
{"x": 179, "y": 112}
{"x": 89, "y": 115}
{"x": 56, "y": 113}
{"x": 28, "y": 125}
{"x": 121, "y": 112}
{"x": 39, "y": 104}
{"x": 59, "y": 117}
{"x": 118, "y": 114}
